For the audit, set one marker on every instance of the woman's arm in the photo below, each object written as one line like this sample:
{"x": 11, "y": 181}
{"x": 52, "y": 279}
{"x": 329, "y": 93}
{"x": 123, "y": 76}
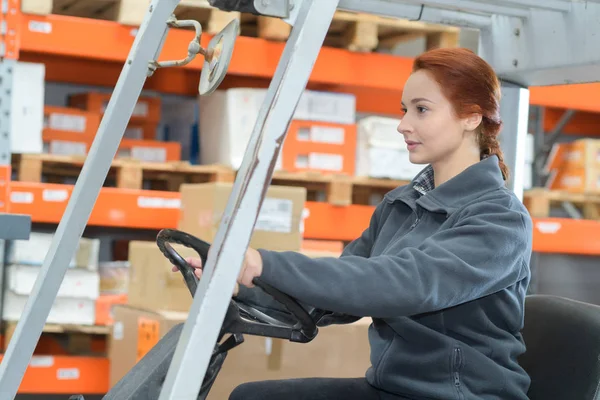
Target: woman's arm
{"x": 486, "y": 250}
{"x": 360, "y": 247}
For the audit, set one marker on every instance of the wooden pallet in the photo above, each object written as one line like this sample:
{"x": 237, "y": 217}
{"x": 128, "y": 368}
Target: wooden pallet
{"x": 364, "y": 32}
{"x": 353, "y": 31}
{"x": 124, "y": 173}
{"x": 77, "y": 338}
{"x": 540, "y": 202}
{"x": 361, "y": 32}
{"x": 340, "y": 190}
{"x": 132, "y": 174}
{"x": 132, "y": 12}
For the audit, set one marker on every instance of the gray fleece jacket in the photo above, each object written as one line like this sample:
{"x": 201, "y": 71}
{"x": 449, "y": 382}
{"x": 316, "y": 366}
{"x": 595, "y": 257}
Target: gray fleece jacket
{"x": 443, "y": 272}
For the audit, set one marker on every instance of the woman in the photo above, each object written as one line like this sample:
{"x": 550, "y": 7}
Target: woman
{"x": 442, "y": 269}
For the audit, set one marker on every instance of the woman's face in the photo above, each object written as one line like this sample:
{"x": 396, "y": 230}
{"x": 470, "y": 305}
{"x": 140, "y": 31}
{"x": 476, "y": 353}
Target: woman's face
{"x": 432, "y": 131}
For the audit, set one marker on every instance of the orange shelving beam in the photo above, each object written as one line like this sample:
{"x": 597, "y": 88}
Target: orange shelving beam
{"x": 66, "y": 375}
{"x": 108, "y": 41}
{"x": 150, "y": 209}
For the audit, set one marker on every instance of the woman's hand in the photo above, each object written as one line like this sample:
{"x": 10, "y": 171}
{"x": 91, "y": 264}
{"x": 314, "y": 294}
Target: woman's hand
{"x": 251, "y": 268}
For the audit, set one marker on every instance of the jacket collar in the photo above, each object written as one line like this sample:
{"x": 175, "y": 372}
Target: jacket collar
{"x": 472, "y": 183}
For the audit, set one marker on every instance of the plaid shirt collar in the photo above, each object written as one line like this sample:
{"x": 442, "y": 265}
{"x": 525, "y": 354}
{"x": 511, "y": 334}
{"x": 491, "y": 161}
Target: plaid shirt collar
{"x": 424, "y": 182}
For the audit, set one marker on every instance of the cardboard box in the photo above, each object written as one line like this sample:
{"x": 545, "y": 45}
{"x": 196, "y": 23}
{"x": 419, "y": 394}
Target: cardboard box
{"x": 279, "y": 226}
{"x": 68, "y": 119}
{"x": 584, "y": 153}
{"x": 574, "y": 179}
{"x": 150, "y": 274}
{"x": 147, "y": 109}
{"x": 337, "y": 351}
{"x": 319, "y": 147}
{"x": 228, "y": 118}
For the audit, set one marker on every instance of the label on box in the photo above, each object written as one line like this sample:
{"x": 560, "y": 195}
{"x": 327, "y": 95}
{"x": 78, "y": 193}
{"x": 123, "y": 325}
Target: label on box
{"x": 275, "y": 216}
{"x": 150, "y": 154}
{"x": 148, "y": 336}
{"x": 67, "y": 373}
{"x": 329, "y": 162}
{"x": 67, "y": 122}
{"x": 67, "y": 148}
{"x": 118, "y": 330}
{"x": 325, "y": 134}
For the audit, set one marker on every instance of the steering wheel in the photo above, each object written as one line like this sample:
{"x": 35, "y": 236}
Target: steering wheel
{"x": 300, "y": 325}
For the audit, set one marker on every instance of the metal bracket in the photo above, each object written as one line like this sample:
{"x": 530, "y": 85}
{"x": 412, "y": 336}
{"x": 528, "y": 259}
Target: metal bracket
{"x": 193, "y": 48}
{"x": 7, "y": 68}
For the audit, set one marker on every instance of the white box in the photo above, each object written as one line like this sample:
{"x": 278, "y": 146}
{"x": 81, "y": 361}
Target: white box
{"x": 64, "y": 310}
{"x": 74, "y": 304}
{"x": 27, "y": 108}
{"x": 227, "y": 118}
{"x": 34, "y": 250}
{"x": 381, "y": 151}
{"x": 77, "y": 283}
{"x": 339, "y": 108}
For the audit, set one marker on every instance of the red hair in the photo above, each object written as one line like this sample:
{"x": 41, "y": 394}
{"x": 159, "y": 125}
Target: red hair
{"x": 472, "y": 86}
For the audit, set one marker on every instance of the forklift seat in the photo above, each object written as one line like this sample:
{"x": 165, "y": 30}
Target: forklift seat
{"x": 563, "y": 348}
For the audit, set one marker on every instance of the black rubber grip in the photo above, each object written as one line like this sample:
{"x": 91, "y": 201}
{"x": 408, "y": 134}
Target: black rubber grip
{"x": 167, "y": 236}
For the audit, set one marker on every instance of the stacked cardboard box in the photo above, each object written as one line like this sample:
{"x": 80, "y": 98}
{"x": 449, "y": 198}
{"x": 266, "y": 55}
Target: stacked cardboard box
{"x": 321, "y": 137}
{"x": 148, "y": 316}
{"x": 77, "y": 295}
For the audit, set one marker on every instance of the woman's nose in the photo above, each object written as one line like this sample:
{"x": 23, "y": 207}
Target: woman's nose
{"x": 404, "y": 127}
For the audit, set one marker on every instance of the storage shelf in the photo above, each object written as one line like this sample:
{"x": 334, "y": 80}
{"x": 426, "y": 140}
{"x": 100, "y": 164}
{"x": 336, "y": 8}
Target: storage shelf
{"x": 106, "y": 41}
{"x": 66, "y": 375}
{"x": 376, "y": 78}
{"x": 150, "y": 209}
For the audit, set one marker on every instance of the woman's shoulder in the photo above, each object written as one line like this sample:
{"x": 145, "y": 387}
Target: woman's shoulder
{"x": 502, "y": 202}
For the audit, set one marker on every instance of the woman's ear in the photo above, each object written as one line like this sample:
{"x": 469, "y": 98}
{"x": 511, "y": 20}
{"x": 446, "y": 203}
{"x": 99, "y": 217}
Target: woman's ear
{"x": 472, "y": 122}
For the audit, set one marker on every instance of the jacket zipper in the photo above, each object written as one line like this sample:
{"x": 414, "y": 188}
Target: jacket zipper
{"x": 457, "y": 365}
{"x": 387, "y": 349}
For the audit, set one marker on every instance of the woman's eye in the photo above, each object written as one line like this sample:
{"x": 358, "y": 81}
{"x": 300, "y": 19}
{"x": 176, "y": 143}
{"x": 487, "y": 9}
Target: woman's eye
{"x": 421, "y": 109}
